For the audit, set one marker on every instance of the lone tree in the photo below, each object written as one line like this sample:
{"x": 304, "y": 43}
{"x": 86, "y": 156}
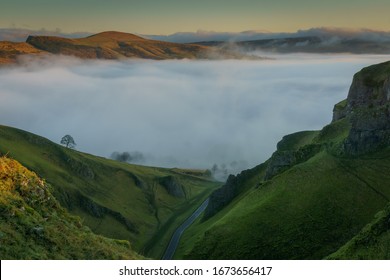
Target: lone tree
{"x": 68, "y": 141}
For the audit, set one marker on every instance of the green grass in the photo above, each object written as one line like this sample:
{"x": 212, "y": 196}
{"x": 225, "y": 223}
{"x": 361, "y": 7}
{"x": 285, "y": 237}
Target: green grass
{"x": 293, "y": 142}
{"x": 341, "y": 105}
{"x": 117, "y": 200}
{"x": 375, "y": 75}
{"x": 34, "y": 226}
{"x": 371, "y": 243}
{"x": 334, "y": 133}
{"x": 197, "y": 230}
{"x": 306, "y": 212}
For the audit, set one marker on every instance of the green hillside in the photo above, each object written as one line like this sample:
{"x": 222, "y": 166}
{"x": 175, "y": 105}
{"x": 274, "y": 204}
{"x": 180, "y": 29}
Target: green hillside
{"x": 316, "y": 192}
{"x": 371, "y": 243}
{"x": 34, "y": 226}
{"x": 118, "y": 200}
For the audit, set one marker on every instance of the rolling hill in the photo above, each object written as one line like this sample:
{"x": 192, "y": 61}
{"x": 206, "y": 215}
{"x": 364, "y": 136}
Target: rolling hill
{"x": 143, "y": 205}
{"x": 111, "y": 45}
{"x": 316, "y": 193}
{"x": 116, "y": 45}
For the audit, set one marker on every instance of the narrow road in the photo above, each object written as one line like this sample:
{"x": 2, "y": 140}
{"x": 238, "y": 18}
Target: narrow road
{"x": 170, "y": 251}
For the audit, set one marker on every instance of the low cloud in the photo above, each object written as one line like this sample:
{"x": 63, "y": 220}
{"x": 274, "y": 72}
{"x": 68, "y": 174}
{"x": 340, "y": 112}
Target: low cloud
{"x": 328, "y": 35}
{"x": 177, "y": 113}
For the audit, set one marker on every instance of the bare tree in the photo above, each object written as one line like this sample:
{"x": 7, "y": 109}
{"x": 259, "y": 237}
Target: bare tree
{"x": 68, "y": 141}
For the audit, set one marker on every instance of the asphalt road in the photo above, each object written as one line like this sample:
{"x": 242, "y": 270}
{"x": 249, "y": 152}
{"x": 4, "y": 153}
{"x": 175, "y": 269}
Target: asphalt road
{"x": 170, "y": 251}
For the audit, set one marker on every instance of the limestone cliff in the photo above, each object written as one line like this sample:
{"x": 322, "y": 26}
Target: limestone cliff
{"x": 367, "y": 108}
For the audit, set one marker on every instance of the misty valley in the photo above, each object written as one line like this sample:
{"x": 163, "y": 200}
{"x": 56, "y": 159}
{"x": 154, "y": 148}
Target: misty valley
{"x": 188, "y": 114}
{"x": 249, "y": 146}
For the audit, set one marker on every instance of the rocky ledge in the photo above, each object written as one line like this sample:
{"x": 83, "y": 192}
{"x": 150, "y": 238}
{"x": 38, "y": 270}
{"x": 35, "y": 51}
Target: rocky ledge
{"x": 368, "y": 109}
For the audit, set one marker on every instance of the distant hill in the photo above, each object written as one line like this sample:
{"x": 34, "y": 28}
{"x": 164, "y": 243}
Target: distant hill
{"x": 317, "y": 194}
{"x": 306, "y": 44}
{"x": 34, "y": 226}
{"x": 313, "y": 40}
{"x": 111, "y": 45}
{"x": 116, "y": 45}
{"x": 143, "y": 205}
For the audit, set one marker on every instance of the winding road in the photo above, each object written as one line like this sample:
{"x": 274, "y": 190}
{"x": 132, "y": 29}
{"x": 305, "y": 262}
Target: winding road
{"x": 170, "y": 251}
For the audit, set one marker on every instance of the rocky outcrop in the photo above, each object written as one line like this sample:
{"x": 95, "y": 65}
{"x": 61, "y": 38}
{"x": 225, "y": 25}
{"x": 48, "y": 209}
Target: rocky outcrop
{"x": 222, "y": 196}
{"x": 367, "y": 108}
{"x": 283, "y": 160}
{"x": 370, "y": 131}
{"x": 99, "y": 211}
{"x": 233, "y": 187}
{"x": 280, "y": 161}
{"x": 172, "y": 186}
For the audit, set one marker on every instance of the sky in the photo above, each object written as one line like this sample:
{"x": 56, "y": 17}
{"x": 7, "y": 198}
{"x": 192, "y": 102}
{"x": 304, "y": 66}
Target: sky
{"x": 177, "y": 113}
{"x": 170, "y": 16}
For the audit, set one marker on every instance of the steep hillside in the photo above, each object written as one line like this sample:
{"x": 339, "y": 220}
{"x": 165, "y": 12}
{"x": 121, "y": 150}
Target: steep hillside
{"x": 315, "y": 193}
{"x": 371, "y": 243}
{"x": 34, "y": 226}
{"x": 118, "y": 200}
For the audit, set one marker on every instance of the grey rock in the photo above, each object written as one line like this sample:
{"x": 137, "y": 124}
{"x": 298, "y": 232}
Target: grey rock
{"x": 173, "y": 186}
{"x": 367, "y": 110}
{"x": 283, "y": 160}
{"x": 231, "y": 189}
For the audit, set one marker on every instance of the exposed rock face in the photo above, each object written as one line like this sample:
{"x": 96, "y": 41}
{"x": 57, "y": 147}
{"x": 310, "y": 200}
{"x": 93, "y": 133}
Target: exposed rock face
{"x": 367, "y": 108}
{"x": 233, "y": 187}
{"x": 282, "y": 160}
{"x": 370, "y": 131}
{"x": 222, "y": 196}
{"x": 98, "y": 211}
{"x": 172, "y": 186}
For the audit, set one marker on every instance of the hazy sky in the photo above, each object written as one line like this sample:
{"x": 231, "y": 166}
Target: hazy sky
{"x": 169, "y": 16}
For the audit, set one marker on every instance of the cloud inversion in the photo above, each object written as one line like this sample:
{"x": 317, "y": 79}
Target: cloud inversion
{"x": 177, "y": 113}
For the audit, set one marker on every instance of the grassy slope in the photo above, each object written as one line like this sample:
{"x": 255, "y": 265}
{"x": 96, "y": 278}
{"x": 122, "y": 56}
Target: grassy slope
{"x": 194, "y": 233}
{"x": 371, "y": 243}
{"x": 34, "y": 226}
{"x": 114, "y": 199}
{"x": 306, "y": 212}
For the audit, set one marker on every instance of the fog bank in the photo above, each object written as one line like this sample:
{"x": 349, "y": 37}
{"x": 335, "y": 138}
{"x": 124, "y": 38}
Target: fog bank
{"x": 177, "y": 113}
